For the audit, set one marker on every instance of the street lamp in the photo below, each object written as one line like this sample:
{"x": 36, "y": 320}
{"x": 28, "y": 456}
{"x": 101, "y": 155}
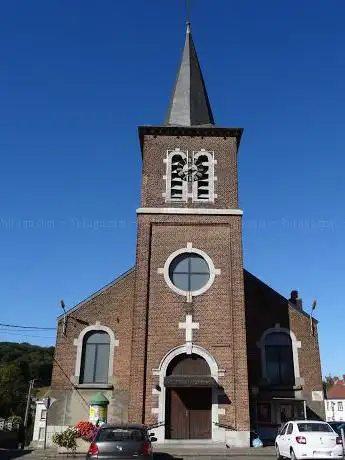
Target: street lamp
{"x": 64, "y": 317}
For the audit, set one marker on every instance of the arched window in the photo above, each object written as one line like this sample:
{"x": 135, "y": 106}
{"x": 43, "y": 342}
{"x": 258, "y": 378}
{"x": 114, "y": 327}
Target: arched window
{"x": 176, "y": 186}
{"x": 279, "y": 359}
{"x": 203, "y": 188}
{"x": 95, "y": 357}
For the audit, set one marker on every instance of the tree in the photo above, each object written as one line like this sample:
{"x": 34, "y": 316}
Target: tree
{"x": 329, "y": 381}
{"x": 19, "y": 363}
{"x": 34, "y": 361}
{"x": 12, "y": 390}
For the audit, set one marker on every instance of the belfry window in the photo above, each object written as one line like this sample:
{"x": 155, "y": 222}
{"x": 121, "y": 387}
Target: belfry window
{"x": 95, "y": 357}
{"x": 279, "y": 359}
{"x": 176, "y": 187}
{"x": 203, "y": 188}
{"x": 189, "y": 176}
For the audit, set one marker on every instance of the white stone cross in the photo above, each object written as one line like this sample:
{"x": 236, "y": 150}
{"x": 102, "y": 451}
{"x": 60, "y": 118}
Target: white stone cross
{"x": 189, "y": 326}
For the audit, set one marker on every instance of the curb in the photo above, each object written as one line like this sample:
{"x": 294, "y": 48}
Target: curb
{"x": 186, "y": 453}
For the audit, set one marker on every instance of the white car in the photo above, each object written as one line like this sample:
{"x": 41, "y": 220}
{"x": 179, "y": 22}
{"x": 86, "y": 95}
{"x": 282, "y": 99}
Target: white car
{"x": 308, "y": 439}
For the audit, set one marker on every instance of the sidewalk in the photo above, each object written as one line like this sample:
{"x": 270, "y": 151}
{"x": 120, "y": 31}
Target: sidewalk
{"x": 207, "y": 451}
{"x": 160, "y": 452}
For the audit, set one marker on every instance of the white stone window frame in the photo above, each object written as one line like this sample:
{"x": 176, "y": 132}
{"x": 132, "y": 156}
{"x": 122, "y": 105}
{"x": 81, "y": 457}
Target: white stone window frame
{"x": 167, "y": 177}
{"x": 188, "y": 250}
{"x": 211, "y": 177}
{"x": 295, "y": 344}
{"x": 79, "y": 342}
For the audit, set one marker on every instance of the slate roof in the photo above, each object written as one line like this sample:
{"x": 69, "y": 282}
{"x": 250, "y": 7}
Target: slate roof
{"x": 189, "y": 105}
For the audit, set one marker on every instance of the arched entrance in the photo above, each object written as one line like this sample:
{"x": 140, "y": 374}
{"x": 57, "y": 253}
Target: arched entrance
{"x": 188, "y": 406}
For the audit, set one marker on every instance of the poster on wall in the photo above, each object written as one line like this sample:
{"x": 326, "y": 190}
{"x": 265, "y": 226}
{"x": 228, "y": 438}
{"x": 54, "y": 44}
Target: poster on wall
{"x": 98, "y": 414}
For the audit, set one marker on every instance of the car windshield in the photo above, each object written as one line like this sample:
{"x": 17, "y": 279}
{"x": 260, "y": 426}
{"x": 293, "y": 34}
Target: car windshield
{"x": 120, "y": 434}
{"x": 314, "y": 427}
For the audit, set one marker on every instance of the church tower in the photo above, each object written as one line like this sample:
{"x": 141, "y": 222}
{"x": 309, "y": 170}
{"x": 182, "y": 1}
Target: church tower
{"x": 189, "y": 361}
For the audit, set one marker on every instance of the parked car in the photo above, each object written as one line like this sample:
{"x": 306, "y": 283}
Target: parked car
{"x": 308, "y": 439}
{"x": 337, "y": 426}
{"x": 122, "y": 441}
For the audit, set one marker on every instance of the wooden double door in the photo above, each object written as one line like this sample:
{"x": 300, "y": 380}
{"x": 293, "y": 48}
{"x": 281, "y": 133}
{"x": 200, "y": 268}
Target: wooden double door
{"x": 189, "y": 413}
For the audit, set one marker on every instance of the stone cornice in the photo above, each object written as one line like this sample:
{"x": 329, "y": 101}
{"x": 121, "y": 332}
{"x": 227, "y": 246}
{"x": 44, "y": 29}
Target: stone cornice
{"x": 200, "y": 131}
{"x": 192, "y": 211}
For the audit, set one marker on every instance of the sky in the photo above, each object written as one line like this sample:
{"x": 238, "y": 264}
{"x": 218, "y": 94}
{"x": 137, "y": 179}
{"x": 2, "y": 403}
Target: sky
{"x": 78, "y": 77}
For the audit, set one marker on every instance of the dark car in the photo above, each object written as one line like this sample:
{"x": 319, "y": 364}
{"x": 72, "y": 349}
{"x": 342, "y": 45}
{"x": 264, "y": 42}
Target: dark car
{"x": 337, "y": 426}
{"x": 122, "y": 442}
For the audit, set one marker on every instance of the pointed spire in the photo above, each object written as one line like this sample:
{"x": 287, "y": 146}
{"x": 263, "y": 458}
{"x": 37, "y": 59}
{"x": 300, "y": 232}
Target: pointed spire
{"x": 189, "y": 104}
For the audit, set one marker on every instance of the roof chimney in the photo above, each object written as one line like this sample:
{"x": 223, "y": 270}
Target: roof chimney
{"x": 295, "y": 300}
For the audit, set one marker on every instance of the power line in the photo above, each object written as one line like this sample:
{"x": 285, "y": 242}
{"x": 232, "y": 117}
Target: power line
{"x": 24, "y": 331}
{"x": 22, "y": 334}
{"x": 29, "y": 327}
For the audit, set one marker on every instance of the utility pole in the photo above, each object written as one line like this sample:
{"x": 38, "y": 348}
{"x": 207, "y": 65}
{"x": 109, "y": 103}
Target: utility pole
{"x": 28, "y": 401}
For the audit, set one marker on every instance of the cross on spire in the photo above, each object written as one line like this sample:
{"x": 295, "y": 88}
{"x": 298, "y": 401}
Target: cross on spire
{"x": 188, "y": 11}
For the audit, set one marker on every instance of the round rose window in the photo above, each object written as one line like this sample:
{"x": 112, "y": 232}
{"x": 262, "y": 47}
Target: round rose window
{"x": 189, "y": 272}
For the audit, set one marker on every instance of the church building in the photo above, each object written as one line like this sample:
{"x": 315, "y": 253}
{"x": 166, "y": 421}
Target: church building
{"x": 187, "y": 341}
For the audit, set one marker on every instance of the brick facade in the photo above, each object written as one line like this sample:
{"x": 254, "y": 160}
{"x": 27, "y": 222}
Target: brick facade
{"x": 266, "y": 309}
{"x": 111, "y": 307}
{"x": 158, "y": 310}
{"x": 154, "y": 152}
{"x": 220, "y": 311}
{"x": 144, "y": 313}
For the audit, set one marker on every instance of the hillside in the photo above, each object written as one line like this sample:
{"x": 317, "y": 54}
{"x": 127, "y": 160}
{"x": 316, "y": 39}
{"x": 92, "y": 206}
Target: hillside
{"x": 19, "y": 363}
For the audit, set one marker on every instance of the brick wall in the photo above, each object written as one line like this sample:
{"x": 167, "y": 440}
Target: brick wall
{"x": 220, "y": 311}
{"x": 144, "y": 312}
{"x": 113, "y": 308}
{"x": 264, "y": 309}
{"x": 153, "y": 185}
{"x": 309, "y": 361}
{"x": 158, "y": 310}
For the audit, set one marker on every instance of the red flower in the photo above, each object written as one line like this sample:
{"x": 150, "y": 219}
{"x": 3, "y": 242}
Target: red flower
{"x": 86, "y": 430}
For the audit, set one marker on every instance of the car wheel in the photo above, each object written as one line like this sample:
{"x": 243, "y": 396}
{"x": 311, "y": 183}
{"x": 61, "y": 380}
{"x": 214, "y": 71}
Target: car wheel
{"x": 279, "y": 457}
{"x": 292, "y": 455}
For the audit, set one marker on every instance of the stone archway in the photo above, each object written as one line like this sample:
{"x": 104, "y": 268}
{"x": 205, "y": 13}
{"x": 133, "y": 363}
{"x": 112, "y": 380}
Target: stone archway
{"x": 188, "y": 406}
{"x": 161, "y": 372}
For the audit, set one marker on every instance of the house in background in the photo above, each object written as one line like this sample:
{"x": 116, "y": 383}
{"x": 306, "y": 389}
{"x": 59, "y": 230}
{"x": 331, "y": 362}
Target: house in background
{"x": 40, "y": 423}
{"x": 335, "y": 402}
{"x": 187, "y": 340}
